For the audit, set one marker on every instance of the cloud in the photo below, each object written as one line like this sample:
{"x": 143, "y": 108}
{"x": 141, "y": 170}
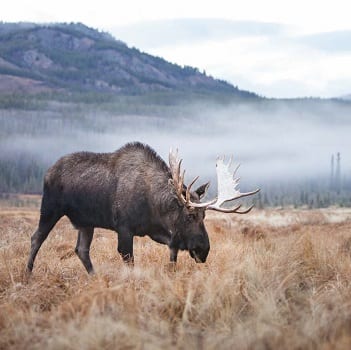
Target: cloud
{"x": 272, "y": 65}
{"x": 271, "y": 59}
{"x": 330, "y": 42}
{"x": 161, "y": 33}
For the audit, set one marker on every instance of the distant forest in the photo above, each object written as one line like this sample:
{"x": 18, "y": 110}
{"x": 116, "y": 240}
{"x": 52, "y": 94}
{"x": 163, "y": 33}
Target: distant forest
{"x": 36, "y": 130}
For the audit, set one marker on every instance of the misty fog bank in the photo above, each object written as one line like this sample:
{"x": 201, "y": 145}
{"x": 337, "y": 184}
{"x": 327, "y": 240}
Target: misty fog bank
{"x": 275, "y": 143}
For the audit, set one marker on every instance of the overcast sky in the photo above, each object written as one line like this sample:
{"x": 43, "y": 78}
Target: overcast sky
{"x": 274, "y": 48}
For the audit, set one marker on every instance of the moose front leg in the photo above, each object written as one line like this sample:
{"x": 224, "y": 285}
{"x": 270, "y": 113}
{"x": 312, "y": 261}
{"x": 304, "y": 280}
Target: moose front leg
{"x": 173, "y": 254}
{"x": 173, "y": 259}
{"x": 173, "y": 247}
{"x": 125, "y": 246}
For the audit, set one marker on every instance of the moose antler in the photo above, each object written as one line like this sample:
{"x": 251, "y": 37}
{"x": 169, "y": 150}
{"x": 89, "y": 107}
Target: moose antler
{"x": 178, "y": 182}
{"x": 177, "y": 178}
{"x": 227, "y": 186}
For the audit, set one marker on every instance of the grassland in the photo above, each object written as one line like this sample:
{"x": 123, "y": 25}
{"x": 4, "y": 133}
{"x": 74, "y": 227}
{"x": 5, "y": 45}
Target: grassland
{"x": 273, "y": 280}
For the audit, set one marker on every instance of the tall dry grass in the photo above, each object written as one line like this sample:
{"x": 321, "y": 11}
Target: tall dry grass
{"x": 263, "y": 287}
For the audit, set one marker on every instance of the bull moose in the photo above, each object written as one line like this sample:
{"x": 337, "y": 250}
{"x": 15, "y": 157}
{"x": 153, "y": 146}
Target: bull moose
{"x": 133, "y": 192}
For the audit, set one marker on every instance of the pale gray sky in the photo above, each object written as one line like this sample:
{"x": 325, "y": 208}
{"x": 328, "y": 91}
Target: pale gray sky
{"x": 275, "y": 48}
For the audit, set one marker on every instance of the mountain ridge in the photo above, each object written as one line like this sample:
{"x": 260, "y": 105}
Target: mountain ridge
{"x": 73, "y": 57}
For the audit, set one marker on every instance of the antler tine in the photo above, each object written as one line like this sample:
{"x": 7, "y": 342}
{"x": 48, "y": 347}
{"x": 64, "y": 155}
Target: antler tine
{"x": 230, "y": 163}
{"x": 242, "y": 195}
{"x": 187, "y": 195}
{"x": 178, "y": 179}
{"x": 236, "y": 169}
{"x": 245, "y": 211}
{"x": 205, "y": 205}
{"x": 234, "y": 210}
{"x": 179, "y": 163}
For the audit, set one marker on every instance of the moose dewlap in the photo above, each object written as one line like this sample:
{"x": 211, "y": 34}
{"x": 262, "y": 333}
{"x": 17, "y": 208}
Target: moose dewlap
{"x": 135, "y": 193}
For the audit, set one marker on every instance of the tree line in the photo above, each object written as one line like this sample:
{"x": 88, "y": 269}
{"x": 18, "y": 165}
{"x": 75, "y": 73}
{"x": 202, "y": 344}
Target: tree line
{"x": 24, "y": 173}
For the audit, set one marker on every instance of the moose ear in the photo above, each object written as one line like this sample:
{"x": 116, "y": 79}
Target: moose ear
{"x": 201, "y": 191}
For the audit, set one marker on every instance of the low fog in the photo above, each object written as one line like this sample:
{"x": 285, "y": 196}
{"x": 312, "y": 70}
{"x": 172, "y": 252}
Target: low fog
{"x": 277, "y": 142}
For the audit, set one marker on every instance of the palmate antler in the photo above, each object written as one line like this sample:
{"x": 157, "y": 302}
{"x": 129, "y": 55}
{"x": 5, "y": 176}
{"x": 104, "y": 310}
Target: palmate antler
{"x": 227, "y": 186}
{"x": 178, "y": 182}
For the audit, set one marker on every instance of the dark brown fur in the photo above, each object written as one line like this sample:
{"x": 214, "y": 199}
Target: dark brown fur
{"x": 127, "y": 191}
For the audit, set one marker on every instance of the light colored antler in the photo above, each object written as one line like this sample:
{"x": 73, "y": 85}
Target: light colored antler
{"x": 228, "y": 188}
{"x": 177, "y": 178}
{"x": 178, "y": 182}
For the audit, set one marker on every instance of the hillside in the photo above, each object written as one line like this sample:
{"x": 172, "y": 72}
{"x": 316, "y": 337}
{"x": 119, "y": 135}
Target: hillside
{"x": 72, "y": 57}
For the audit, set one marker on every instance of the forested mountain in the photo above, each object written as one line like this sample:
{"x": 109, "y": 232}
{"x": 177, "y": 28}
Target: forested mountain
{"x": 74, "y": 57}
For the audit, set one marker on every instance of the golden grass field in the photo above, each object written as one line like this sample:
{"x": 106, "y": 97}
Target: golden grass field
{"x": 274, "y": 279}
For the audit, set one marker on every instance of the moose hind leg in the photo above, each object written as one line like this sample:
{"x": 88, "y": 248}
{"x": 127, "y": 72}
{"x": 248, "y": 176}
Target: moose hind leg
{"x": 85, "y": 236}
{"x": 125, "y": 246}
{"x": 46, "y": 224}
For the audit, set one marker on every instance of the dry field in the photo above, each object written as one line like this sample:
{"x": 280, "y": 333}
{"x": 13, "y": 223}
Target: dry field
{"x": 273, "y": 280}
